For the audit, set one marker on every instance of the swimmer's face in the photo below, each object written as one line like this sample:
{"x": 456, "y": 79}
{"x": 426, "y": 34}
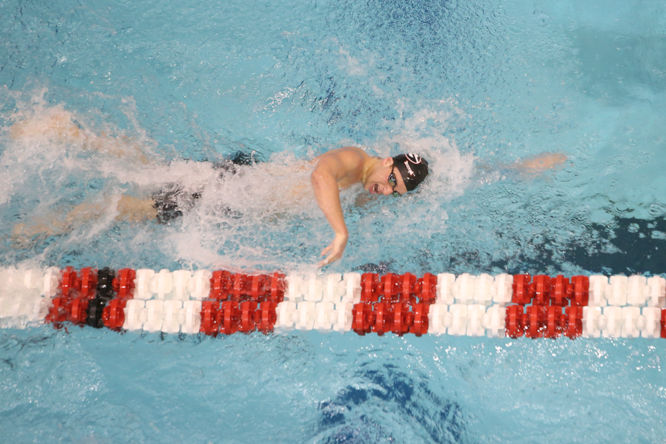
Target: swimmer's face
{"x": 385, "y": 179}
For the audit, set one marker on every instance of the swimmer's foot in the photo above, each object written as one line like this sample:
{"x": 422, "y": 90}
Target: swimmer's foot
{"x": 129, "y": 209}
{"x": 27, "y": 235}
{"x": 61, "y": 126}
{"x": 24, "y": 236}
{"x": 18, "y": 238}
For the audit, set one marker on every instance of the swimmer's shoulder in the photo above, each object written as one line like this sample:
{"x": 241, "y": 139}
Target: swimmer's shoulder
{"x": 346, "y": 152}
{"x": 345, "y": 158}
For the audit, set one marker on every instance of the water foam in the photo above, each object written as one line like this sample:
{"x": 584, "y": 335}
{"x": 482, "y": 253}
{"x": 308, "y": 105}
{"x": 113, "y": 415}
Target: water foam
{"x": 258, "y": 216}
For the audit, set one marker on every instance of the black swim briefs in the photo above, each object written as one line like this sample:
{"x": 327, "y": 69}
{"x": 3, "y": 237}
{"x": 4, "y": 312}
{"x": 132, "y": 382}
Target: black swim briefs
{"x": 172, "y": 200}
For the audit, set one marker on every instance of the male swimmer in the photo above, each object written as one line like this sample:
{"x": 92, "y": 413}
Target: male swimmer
{"x": 343, "y": 167}
{"x": 332, "y": 172}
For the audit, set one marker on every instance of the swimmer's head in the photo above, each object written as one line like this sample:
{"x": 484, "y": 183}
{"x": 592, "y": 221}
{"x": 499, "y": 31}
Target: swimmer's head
{"x": 396, "y": 175}
{"x": 413, "y": 169}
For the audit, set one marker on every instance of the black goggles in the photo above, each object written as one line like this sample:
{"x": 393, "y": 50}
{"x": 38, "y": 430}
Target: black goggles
{"x": 393, "y": 182}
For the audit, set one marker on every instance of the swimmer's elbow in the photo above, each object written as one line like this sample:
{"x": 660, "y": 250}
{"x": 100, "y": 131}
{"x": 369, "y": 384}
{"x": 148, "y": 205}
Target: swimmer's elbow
{"x": 324, "y": 186}
{"x": 319, "y": 178}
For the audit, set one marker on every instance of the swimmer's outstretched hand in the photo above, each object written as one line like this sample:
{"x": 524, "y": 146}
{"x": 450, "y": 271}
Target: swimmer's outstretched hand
{"x": 540, "y": 163}
{"x": 335, "y": 250}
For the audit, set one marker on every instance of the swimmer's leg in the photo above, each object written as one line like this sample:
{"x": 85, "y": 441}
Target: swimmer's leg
{"x": 61, "y": 127}
{"x": 55, "y": 223}
{"x": 23, "y": 235}
{"x": 56, "y": 124}
{"x": 133, "y": 209}
{"x": 130, "y": 209}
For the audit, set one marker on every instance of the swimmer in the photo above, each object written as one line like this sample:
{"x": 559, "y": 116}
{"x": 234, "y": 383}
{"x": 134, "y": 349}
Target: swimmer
{"x": 331, "y": 173}
{"x": 343, "y": 167}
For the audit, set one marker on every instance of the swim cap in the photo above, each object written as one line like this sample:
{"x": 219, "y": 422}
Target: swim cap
{"x": 413, "y": 169}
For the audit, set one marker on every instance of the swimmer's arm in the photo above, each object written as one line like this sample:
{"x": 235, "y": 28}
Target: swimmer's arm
{"x": 539, "y": 163}
{"x": 528, "y": 167}
{"x": 324, "y": 181}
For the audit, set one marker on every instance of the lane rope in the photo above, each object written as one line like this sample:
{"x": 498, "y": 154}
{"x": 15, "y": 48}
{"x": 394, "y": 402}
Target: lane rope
{"x": 221, "y": 302}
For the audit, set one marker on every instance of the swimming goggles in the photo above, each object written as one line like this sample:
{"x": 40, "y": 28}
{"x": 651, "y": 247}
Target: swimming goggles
{"x": 393, "y": 182}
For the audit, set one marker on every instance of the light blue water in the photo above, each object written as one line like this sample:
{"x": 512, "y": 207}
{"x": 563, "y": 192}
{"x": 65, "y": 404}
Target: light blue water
{"x": 474, "y": 86}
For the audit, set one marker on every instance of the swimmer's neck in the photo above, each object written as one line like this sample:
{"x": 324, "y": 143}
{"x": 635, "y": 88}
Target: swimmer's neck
{"x": 369, "y": 164}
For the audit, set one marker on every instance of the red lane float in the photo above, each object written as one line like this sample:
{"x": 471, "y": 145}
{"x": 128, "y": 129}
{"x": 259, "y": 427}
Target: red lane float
{"x": 542, "y": 306}
{"x": 241, "y": 302}
{"x": 113, "y": 314}
{"x": 83, "y": 299}
{"x": 222, "y": 302}
{"x": 395, "y": 303}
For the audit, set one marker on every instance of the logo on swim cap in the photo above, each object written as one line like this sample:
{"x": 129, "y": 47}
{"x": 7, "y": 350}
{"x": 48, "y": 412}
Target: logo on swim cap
{"x": 412, "y": 167}
{"x": 413, "y": 158}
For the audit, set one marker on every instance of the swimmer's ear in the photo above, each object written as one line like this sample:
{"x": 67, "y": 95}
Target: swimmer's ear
{"x": 387, "y": 161}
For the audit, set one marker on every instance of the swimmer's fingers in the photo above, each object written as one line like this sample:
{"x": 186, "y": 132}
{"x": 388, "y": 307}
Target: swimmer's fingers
{"x": 328, "y": 258}
{"x": 326, "y": 250}
{"x": 334, "y": 251}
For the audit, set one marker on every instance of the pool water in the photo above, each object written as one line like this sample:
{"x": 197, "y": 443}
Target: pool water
{"x": 159, "y": 93}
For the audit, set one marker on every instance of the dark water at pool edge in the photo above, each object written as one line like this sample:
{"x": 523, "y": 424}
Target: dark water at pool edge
{"x": 626, "y": 245}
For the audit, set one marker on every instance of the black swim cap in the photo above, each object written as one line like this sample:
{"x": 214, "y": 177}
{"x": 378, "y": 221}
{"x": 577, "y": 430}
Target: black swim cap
{"x": 413, "y": 169}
